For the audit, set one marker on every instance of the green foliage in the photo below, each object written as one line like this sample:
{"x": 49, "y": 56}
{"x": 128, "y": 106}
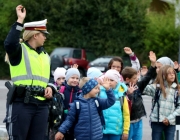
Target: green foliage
{"x": 6, "y": 19}
{"x": 106, "y": 26}
{"x": 161, "y": 35}
{"x": 103, "y": 26}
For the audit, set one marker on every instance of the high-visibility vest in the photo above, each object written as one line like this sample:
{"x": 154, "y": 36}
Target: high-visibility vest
{"x": 33, "y": 69}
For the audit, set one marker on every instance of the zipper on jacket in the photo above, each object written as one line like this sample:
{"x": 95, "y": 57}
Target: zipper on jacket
{"x": 70, "y": 100}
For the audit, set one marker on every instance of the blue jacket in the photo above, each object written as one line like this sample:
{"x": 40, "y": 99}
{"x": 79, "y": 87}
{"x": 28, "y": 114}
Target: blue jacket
{"x": 113, "y": 116}
{"x": 88, "y": 124}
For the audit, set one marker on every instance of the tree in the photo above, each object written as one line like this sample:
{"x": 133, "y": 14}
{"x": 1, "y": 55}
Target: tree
{"x": 161, "y": 35}
{"x": 7, "y": 9}
{"x": 106, "y": 26}
{"x": 103, "y": 26}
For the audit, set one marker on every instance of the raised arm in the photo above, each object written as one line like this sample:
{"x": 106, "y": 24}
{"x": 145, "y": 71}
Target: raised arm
{"x": 11, "y": 43}
{"x": 151, "y": 72}
{"x": 134, "y": 60}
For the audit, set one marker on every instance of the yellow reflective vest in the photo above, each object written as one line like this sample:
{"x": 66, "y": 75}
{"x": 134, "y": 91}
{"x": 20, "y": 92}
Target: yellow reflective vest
{"x": 33, "y": 69}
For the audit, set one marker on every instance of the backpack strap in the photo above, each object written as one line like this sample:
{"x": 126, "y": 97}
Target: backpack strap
{"x": 121, "y": 99}
{"x": 77, "y": 105}
{"x": 100, "y": 113}
{"x": 97, "y": 103}
{"x": 176, "y": 97}
{"x": 98, "y": 109}
{"x": 156, "y": 99}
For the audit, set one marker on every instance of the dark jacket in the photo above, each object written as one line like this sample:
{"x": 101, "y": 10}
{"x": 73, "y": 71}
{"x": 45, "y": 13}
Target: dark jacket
{"x": 88, "y": 124}
{"x": 69, "y": 94}
{"x": 137, "y": 108}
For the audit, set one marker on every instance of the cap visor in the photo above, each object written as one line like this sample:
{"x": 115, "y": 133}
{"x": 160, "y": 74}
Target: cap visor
{"x": 46, "y": 32}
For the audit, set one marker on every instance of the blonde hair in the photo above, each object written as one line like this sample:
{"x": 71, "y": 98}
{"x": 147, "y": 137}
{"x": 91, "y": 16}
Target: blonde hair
{"x": 83, "y": 81}
{"x": 27, "y": 34}
{"x": 6, "y": 58}
{"x": 162, "y": 76}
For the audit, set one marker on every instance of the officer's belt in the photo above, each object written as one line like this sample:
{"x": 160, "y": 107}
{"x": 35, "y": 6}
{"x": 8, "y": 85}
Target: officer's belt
{"x": 21, "y": 92}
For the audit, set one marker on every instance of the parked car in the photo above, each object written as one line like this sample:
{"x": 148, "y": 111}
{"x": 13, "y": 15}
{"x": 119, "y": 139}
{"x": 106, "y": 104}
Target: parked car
{"x": 70, "y": 56}
{"x": 102, "y": 62}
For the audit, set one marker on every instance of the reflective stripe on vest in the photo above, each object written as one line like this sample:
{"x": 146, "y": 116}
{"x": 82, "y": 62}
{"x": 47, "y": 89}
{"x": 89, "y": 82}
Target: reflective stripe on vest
{"x": 34, "y": 68}
{"x": 29, "y": 75}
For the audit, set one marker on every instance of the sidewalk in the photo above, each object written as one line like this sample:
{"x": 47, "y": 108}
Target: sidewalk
{"x": 3, "y": 133}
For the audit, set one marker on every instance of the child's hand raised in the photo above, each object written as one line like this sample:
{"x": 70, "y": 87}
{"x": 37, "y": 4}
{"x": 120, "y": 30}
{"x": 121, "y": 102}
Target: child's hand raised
{"x": 152, "y": 58}
{"x": 59, "y": 136}
{"x": 128, "y": 50}
{"x": 131, "y": 88}
{"x": 74, "y": 66}
{"x": 176, "y": 65}
{"x": 105, "y": 83}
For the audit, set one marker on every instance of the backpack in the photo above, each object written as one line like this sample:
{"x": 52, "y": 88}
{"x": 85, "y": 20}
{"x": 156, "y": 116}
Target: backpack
{"x": 157, "y": 96}
{"x": 56, "y": 110}
{"x": 121, "y": 99}
{"x": 98, "y": 109}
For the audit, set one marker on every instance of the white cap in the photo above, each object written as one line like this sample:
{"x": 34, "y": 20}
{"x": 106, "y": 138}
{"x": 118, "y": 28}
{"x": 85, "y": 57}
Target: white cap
{"x": 59, "y": 72}
{"x": 113, "y": 74}
{"x": 36, "y": 26}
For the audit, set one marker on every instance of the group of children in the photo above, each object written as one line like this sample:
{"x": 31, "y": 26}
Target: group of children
{"x": 115, "y": 98}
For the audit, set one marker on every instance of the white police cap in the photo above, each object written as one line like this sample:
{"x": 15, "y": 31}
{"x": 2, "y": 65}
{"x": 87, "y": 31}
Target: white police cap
{"x": 37, "y": 26}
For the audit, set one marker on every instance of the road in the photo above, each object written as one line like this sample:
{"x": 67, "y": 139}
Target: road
{"x": 147, "y": 103}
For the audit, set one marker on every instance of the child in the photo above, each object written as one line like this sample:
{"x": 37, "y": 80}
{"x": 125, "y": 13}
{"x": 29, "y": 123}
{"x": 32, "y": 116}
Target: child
{"x": 117, "y": 118}
{"x": 137, "y": 108}
{"x": 88, "y": 126}
{"x": 117, "y": 63}
{"x": 93, "y": 72}
{"x": 59, "y": 76}
{"x": 56, "y": 104}
{"x": 71, "y": 88}
{"x": 165, "y": 110}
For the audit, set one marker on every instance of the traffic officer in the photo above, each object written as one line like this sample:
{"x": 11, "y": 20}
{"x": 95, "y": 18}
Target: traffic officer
{"x": 27, "y": 114}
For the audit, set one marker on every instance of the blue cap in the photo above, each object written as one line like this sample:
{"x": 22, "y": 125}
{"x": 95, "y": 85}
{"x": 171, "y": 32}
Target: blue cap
{"x": 94, "y": 73}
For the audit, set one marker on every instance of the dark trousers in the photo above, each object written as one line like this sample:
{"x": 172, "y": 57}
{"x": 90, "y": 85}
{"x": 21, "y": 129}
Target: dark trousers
{"x": 26, "y": 121}
{"x": 158, "y": 128}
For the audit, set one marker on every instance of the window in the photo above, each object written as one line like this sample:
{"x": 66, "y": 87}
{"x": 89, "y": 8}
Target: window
{"x": 77, "y": 54}
{"x": 90, "y": 56}
{"x": 61, "y": 51}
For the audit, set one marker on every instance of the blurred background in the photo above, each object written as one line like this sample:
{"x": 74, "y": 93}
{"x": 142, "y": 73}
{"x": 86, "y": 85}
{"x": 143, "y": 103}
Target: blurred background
{"x": 103, "y": 28}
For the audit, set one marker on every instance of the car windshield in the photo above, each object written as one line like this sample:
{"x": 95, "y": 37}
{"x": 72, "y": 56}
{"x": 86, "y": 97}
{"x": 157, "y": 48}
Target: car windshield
{"x": 61, "y": 51}
{"x": 104, "y": 60}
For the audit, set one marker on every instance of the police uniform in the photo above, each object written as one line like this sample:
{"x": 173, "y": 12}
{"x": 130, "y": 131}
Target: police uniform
{"x": 27, "y": 115}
